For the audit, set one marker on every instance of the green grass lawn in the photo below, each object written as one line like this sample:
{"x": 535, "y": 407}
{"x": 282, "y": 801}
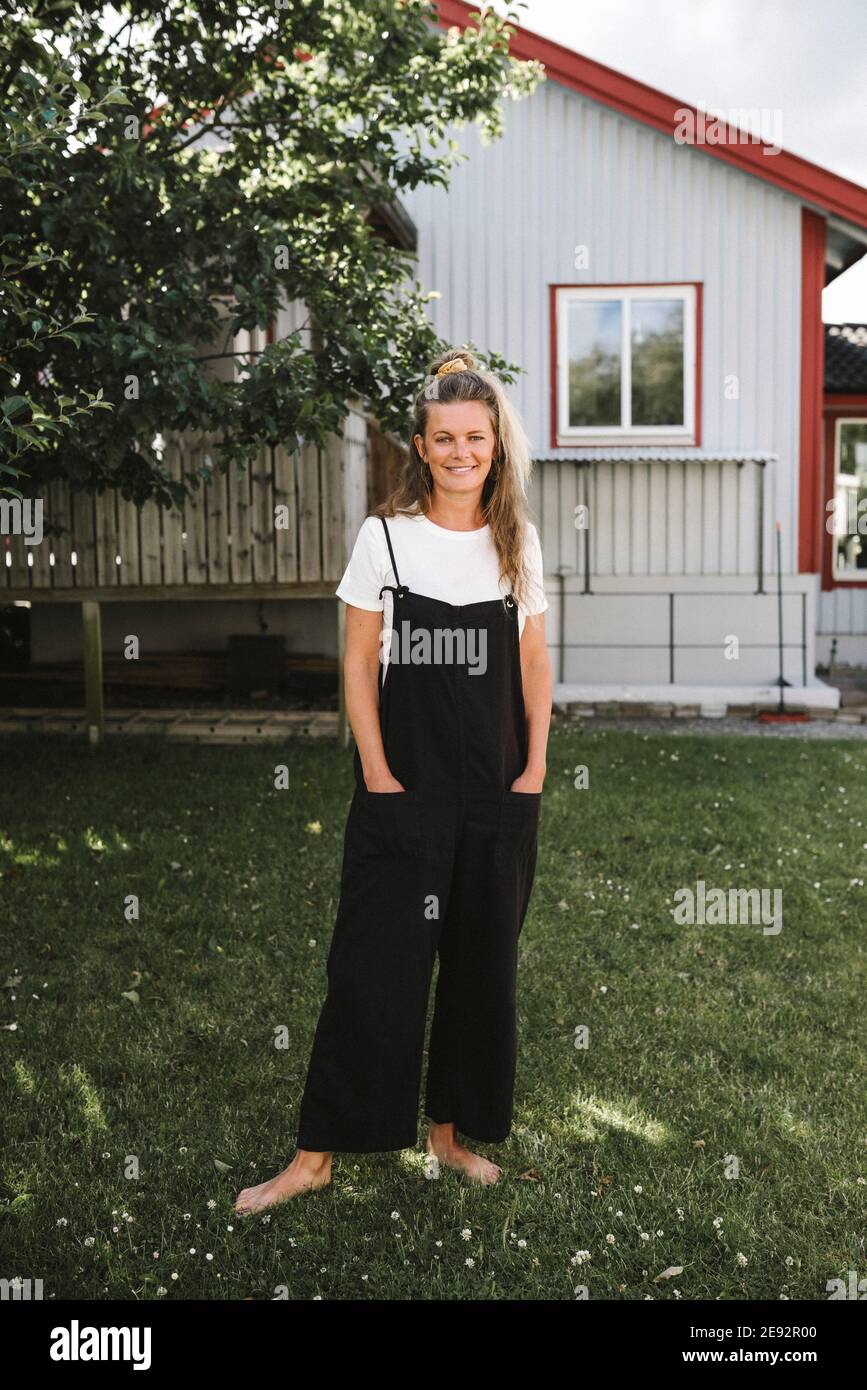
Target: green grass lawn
{"x": 715, "y": 1121}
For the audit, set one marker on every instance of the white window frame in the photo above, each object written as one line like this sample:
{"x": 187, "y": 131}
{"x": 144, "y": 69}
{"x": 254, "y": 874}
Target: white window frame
{"x": 626, "y": 433}
{"x": 842, "y": 575}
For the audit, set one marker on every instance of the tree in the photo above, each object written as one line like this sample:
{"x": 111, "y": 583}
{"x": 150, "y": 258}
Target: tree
{"x": 241, "y": 173}
{"x": 40, "y": 119}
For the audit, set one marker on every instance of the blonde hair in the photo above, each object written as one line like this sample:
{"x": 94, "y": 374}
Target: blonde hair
{"x": 504, "y": 495}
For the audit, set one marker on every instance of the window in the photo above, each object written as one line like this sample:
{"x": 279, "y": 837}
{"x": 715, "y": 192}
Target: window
{"x": 848, "y": 523}
{"x": 626, "y": 364}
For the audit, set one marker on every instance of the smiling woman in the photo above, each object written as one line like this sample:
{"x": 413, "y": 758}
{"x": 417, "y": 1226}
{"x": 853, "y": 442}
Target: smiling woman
{"x": 456, "y": 567}
{"x": 441, "y": 839}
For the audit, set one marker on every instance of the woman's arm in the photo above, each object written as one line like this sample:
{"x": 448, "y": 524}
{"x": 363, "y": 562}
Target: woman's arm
{"x": 537, "y": 682}
{"x": 361, "y": 686}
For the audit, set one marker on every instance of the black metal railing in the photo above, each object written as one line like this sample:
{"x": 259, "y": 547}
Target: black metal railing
{"x": 672, "y": 646}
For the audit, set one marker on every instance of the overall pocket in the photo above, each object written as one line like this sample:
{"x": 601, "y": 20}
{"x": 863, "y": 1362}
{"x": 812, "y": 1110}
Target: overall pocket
{"x": 518, "y": 829}
{"x": 385, "y": 825}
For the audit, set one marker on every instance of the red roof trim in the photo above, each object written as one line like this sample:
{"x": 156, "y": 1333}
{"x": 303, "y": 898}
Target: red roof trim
{"x": 839, "y": 404}
{"x": 812, "y": 395}
{"x": 790, "y": 172}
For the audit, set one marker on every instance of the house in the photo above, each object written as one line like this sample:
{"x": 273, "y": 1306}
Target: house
{"x": 658, "y": 275}
{"x": 664, "y": 298}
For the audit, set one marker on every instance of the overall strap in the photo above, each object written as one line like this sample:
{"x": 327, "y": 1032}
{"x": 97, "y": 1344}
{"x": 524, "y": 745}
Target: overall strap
{"x": 401, "y": 589}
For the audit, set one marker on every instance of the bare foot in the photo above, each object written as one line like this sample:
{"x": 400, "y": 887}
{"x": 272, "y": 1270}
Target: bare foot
{"x": 442, "y": 1143}
{"x": 305, "y": 1173}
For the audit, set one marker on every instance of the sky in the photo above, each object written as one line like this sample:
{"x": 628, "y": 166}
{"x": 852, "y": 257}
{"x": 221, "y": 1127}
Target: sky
{"x": 802, "y": 61}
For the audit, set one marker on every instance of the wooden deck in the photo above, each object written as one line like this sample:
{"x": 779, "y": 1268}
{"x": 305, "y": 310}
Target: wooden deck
{"x": 281, "y": 529}
{"x": 180, "y": 725}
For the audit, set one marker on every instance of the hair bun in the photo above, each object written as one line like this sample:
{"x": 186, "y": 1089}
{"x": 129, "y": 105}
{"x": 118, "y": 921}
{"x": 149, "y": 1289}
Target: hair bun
{"x": 459, "y": 361}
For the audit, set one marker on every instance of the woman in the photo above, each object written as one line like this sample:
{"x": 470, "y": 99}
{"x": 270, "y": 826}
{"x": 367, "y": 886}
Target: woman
{"x": 451, "y": 730}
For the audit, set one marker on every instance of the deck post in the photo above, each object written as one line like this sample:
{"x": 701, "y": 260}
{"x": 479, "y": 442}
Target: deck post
{"x": 342, "y": 721}
{"x": 90, "y": 619}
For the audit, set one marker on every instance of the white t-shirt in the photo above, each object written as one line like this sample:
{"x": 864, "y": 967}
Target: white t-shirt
{"x": 455, "y": 566}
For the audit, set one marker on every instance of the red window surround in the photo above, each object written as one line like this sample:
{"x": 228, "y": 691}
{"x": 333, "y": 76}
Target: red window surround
{"x": 836, "y": 408}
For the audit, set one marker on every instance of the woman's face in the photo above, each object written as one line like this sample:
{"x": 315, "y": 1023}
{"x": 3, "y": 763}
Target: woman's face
{"x": 459, "y": 445}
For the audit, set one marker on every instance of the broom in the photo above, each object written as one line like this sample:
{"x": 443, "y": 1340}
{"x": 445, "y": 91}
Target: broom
{"x": 781, "y": 715}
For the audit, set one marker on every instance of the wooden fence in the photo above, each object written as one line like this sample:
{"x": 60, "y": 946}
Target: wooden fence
{"x": 227, "y": 540}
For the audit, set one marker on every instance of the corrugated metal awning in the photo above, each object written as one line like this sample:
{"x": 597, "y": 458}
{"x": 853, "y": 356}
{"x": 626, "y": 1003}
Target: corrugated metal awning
{"x": 639, "y": 454}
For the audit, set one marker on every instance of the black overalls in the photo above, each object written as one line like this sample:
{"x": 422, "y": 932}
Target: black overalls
{"x": 445, "y": 866}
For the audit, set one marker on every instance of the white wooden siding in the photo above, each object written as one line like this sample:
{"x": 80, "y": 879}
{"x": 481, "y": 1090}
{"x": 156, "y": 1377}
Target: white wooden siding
{"x": 843, "y": 615}
{"x": 570, "y": 172}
